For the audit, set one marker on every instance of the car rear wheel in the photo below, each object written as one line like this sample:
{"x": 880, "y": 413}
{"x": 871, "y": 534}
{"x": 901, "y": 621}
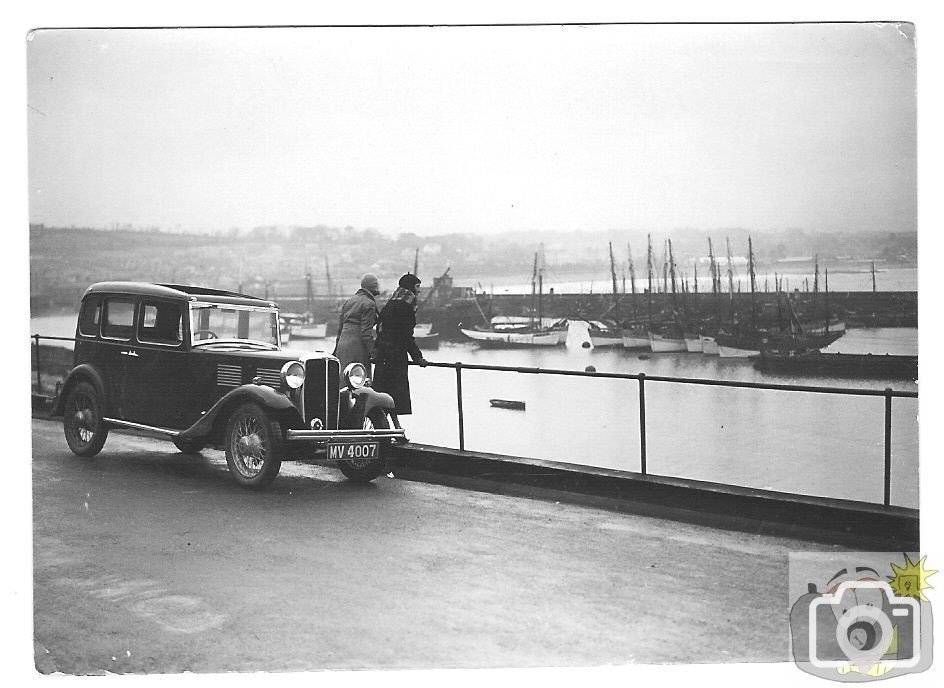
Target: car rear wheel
{"x": 189, "y": 446}
{"x": 365, "y": 470}
{"x": 82, "y": 420}
{"x": 253, "y": 446}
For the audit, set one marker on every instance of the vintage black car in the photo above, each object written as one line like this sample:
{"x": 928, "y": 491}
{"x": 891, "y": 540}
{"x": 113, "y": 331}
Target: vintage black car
{"x": 205, "y": 367}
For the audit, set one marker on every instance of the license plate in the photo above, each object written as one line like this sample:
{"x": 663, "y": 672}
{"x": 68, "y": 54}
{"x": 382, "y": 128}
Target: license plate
{"x": 353, "y": 450}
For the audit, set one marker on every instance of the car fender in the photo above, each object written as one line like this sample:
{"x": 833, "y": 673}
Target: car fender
{"x": 78, "y": 374}
{"x": 271, "y": 400}
{"x": 365, "y": 401}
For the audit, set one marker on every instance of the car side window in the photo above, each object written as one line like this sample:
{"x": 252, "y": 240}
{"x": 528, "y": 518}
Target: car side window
{"x": 118, "y": 318}
{"x": 160, "y": 323}
{"x": 90, "y": 317}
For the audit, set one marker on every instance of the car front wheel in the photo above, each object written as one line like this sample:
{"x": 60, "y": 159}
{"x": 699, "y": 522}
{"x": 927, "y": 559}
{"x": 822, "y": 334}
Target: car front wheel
{"x": 253, "y": 446}
{"x": 365, "y": 470}
{"x": 82, "y": 420}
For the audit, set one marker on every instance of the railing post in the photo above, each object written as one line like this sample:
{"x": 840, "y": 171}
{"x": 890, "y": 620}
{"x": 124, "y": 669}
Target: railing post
{"x": 888, "y": 446}
{"x": 459, "y": 402}
{"x": 642, "y": 422}
{"x": 39, "y": 385}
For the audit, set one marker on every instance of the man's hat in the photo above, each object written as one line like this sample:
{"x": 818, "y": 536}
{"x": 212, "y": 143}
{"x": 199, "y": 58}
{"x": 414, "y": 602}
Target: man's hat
{"x": 409, "y": 281}
{"x": 370, "y": 282}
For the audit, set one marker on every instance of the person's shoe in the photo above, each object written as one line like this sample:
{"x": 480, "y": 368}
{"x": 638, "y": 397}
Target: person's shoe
{"x": 402, "y": 440}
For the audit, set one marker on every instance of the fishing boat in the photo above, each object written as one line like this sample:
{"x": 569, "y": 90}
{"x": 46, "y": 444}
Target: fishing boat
{"x": 669, "y": 337}
{"x": 311, "y": 331}
{"x": 800, "y": 335}
{"x": 607, "y": 333}
{"x": 303, "y": 324}
{"x": 532, "y": 330}
{"x": 635, "y": 335}
{"x": 604, "y": 335}
{"x": 668, "y": 341}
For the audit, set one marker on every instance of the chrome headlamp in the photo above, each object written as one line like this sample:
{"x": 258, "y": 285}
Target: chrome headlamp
{"x": 355, "y": 376}
{"x": 293, "y": 374}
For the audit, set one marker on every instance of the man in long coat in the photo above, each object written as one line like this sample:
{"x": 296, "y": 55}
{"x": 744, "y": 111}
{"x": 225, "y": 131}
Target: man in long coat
{"x": 395, "y": 342}
{"x": 356, "y": 340}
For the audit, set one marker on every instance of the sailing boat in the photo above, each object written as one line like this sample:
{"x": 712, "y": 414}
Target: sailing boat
{"x": 636, "y": 336}
{"x": 670, "y": 337}
{"x": 708, "y": 343}
{"x": 743, "y": 344}
{"x": 305, "y": 326}
{"x": 602, "y": 333}
{"x": 531, "y": 332}
{"x": 423, "y": 333}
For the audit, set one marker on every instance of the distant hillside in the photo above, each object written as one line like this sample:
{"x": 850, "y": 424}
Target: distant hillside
{"x": 63, "y": 262}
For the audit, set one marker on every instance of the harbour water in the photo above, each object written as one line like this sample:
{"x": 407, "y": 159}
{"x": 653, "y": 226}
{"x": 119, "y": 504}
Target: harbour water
{"x": 817, "y": 444}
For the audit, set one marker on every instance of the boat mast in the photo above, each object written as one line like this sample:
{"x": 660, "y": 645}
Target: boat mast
{"x": 328, "y": 275}
{"x": 615, "y": 289}
{"x": 416, "y": 262}
{"x": 649, "y": 290}
{"x": 308, "y": 290}
{"x": 672, "y": 273}
{"x": 632, "y": 278}
{"x": 750, "y": 260}
{"x": 541, "y": 289}
{"x": 665, "y": 266}
{"x": 873, "y": 276}
{"x": 727, "y": 241}
{"x": 534, "y": 277}
{"x": 715, "y": 278}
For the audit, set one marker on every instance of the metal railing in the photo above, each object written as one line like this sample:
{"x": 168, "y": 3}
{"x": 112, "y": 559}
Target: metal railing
{"x": 888, "y": 393}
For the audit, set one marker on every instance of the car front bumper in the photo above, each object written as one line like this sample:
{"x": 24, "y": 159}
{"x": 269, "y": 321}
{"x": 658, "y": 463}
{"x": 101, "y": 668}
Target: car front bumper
{"x": 325, "y": 436}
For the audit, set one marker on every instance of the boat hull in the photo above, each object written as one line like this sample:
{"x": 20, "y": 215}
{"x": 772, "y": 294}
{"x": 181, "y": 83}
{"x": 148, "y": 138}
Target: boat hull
{"x": 661, "y": 344}
{"x": 709, "y": 346}
{"x": 693, "y": 344}
{"x": 736, "y": 352}
{"x": 318, "y": 331}
{"x": 635, "y": 340}
{"x": 601, "y": 341}
{"x": 494, "y": 338}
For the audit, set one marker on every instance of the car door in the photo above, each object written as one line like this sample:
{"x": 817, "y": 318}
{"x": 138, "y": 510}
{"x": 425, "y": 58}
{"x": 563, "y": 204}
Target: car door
{"x": 117, "y": 347}
{"x": 157, "y": 377}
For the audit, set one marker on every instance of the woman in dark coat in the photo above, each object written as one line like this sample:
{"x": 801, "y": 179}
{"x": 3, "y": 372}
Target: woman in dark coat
{"x": 395, "y": 342}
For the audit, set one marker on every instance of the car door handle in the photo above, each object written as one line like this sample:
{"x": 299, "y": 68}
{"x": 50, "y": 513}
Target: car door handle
{"x": 130, "y": 352}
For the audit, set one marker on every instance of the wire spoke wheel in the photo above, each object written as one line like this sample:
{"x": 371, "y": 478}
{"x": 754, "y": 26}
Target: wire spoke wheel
{"x": 253, "y": 446}
{"x": 82, "y": 421}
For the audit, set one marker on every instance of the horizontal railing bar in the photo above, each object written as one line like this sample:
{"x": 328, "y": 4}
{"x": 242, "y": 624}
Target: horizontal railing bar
{"x": 849, "y": 391}
{"x": 683, "y": 380}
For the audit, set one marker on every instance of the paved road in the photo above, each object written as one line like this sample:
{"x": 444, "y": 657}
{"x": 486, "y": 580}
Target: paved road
{"x": 147, "y": 560}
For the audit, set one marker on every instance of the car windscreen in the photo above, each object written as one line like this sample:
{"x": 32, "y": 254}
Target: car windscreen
{"x": 209, "y": 322}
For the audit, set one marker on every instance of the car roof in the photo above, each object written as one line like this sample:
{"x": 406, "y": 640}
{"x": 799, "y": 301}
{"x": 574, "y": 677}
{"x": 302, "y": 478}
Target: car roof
{"x": 181, "y": 292}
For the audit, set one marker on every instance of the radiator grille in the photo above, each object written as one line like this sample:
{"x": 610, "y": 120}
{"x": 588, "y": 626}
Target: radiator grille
{"x": 229, "y": 375}
{"x": 321, "y": 391}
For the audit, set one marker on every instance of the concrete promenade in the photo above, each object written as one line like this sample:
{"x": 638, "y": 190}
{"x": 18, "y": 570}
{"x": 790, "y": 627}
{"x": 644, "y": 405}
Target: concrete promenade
{"x": 148, "y": 560}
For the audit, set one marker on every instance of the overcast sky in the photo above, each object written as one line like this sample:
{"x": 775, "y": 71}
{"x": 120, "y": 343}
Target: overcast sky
{"x": 491, "y": 129}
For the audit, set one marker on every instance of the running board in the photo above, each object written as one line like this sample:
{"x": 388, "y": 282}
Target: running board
{"x": 140, "y": 426}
